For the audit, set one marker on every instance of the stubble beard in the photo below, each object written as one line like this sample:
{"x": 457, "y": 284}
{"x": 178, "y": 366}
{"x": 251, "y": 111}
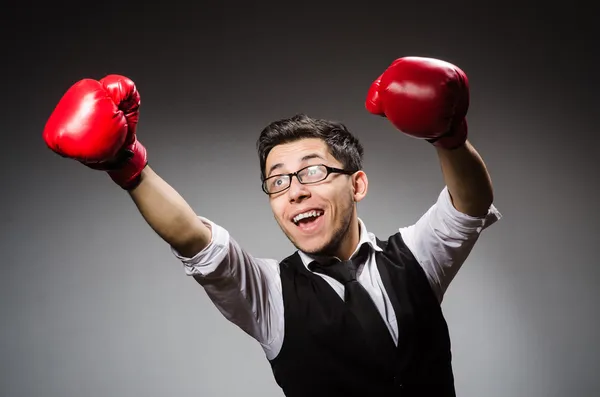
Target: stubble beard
{"x": 331, "y": 247}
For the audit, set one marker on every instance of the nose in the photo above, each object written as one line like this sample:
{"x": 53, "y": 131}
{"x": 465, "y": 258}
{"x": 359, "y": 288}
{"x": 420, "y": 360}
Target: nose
{"x": 297, "y": 191}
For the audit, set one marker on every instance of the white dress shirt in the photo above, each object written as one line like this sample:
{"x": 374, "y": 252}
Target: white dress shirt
{"x": 247, "y": 290}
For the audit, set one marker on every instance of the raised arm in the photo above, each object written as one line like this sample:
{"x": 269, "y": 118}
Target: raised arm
{"x": 428, "y": 99}
{"x": 169, "y": 215}
{"x": 467, "y": 178}
{"x": 95, "y": 123}
{"x": 245, "y": 289}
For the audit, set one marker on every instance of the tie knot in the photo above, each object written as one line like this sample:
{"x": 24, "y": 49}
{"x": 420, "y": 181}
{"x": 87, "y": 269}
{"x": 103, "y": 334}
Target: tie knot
{"x": 342, "y": 271}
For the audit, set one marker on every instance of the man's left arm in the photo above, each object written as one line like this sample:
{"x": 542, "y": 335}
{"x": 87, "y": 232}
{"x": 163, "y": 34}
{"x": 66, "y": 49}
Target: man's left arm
{"x": 443, "y": 238}
{"x": 428, "y": 99}
{"x": 467, "y": 178}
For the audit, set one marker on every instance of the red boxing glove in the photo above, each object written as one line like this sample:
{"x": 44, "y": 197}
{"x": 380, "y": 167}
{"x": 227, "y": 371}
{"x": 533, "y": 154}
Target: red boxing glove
{"x": 95, "y": 123}
{"x": 425, "y": 98}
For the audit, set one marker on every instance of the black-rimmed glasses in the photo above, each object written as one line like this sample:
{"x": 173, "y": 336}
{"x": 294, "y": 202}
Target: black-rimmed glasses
{"x": 307, "y": 175}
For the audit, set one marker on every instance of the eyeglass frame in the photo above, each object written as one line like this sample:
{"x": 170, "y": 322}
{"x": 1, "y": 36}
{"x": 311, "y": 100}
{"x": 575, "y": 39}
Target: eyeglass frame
{"x": 330, "y": 170}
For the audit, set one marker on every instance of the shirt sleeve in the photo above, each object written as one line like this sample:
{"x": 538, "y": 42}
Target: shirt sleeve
{"x": 245, "y": 289}
{"x": 442, "y": 239}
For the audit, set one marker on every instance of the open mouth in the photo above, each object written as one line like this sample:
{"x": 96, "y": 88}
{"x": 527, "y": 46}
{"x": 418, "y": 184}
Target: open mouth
{"x": 308, "y": 220}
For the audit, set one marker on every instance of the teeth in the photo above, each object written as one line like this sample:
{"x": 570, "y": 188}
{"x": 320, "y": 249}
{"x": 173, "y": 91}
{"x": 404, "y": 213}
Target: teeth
{"x": 307, "y": 214}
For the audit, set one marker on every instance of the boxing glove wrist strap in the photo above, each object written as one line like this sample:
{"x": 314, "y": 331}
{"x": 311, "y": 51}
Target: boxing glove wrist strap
{"x": 128, "y": 174}
{"x": 453, "y": 139}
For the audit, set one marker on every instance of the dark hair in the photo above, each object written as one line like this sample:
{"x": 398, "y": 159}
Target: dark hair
{"x": 343, "y": 146}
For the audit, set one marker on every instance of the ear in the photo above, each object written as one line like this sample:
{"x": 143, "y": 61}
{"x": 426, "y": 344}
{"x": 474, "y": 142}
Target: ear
{"x": 360, "y": 185}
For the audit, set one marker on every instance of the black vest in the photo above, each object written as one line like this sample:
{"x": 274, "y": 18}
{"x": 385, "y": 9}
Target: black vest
{"x": 325, "y": 354}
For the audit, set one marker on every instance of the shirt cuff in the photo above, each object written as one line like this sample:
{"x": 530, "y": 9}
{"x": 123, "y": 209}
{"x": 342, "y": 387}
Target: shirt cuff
{"x": 207, "y": 260}
{"x": 466, "y": 222}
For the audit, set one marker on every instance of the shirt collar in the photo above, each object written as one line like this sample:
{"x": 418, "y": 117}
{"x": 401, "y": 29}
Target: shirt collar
{"x": 365, "y": 238}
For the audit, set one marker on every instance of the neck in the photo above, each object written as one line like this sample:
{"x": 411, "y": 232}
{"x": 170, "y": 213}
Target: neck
{"x": 349, "y": 240}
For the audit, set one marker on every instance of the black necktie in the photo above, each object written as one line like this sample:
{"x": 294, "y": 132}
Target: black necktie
{"x": 359, "y": 301}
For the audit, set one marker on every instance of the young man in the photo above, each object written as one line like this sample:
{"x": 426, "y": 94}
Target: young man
{"x": 347, "y": 314}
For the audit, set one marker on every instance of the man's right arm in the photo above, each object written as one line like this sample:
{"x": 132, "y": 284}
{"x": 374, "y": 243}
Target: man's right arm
{"x": 169, "y": 215}
{"x": 245, "y": 289}
{"x": 95, "y": 123}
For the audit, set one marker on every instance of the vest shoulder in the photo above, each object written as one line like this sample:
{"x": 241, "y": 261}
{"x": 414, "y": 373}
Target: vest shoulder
{"x": 394, "y": 241}
{"x": 290, "y": 260}
{"x": 395, "y": 249}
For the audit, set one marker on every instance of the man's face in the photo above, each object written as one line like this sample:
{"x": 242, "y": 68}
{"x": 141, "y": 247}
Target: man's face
{"x": 328, "y": 205}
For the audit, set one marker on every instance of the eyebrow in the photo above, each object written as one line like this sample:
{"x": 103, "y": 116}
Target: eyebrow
{"x": 303, "y": 159}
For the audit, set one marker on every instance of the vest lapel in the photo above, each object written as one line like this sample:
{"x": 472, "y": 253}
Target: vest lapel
{"x": 400, "y": 301}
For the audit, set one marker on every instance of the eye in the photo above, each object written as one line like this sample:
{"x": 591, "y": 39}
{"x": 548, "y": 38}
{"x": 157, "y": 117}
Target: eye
{"x": 277, "y": 181}
{"x": 313, "y": 171}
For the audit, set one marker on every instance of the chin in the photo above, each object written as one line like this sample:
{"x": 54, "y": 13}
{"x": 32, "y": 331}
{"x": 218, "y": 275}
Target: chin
{"x": 309, "y": 245}
{"x": 313, "y": 249}
{"x": 318, "y": 246}
{"x": 314, "y": 245}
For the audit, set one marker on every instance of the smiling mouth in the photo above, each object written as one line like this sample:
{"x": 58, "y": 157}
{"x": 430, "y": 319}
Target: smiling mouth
{"x": 307, "y": 217}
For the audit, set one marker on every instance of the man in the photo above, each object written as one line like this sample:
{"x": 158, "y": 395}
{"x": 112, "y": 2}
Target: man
{"x": 347, "y": 314}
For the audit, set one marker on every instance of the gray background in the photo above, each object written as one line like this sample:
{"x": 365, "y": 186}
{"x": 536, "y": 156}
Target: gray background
{"x": 92, "y": 303}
